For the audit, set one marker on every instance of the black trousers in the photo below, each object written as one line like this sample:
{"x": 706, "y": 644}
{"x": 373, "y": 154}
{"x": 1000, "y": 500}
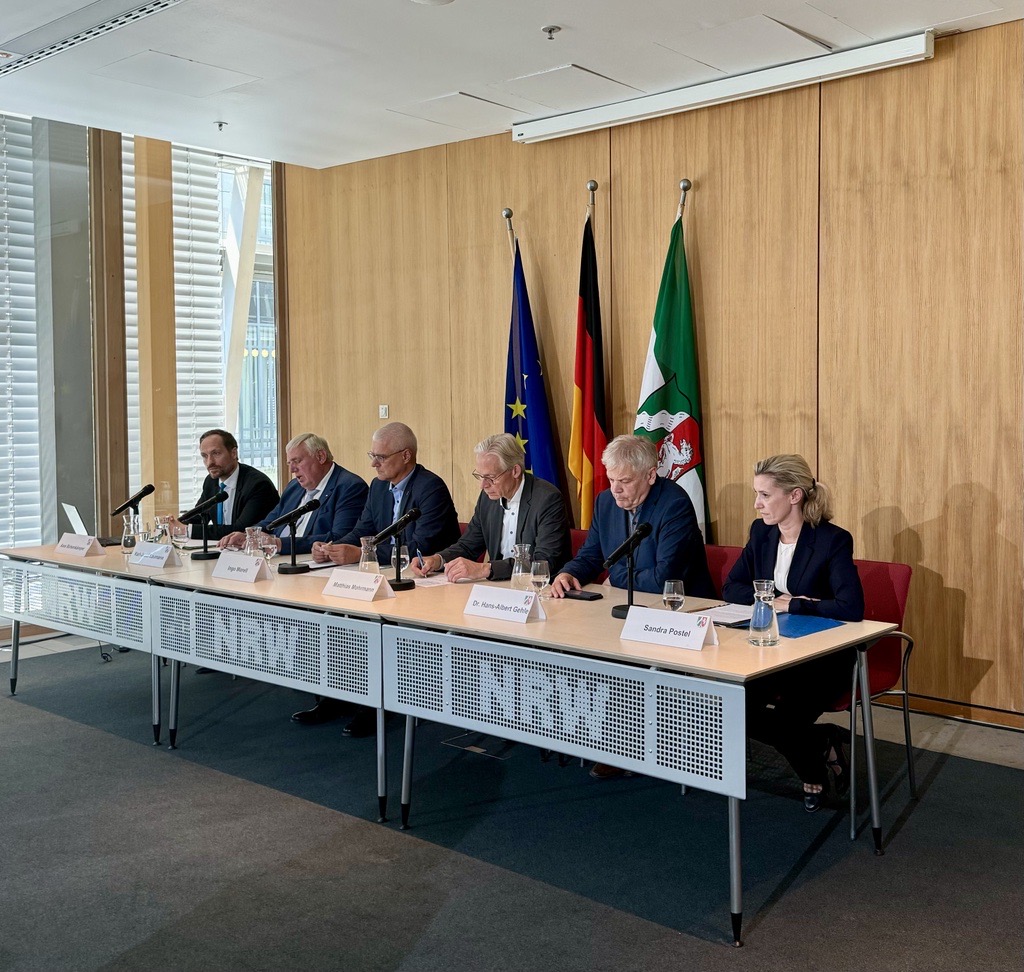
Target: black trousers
{"x": 782, "y": 710}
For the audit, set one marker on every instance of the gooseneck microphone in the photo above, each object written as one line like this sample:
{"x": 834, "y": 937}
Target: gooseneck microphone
{"x": 398, "y": 526}
{"x": 293, "y": 516}
{"x": 133, "y": 501}
{"x": 628, "y": 545}
{"x": 193, "y": 514}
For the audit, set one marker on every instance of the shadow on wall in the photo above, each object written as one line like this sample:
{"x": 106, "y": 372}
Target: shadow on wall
{"x": 732, "y": 513}
{"x": 937, "y": 610}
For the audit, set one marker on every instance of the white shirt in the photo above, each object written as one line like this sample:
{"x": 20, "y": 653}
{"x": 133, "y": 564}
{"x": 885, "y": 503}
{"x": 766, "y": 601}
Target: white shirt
{"x": 510, "y": 520}
{"x": 230, "y": 484}
{"x": 783, "y": 561}
{"x": 316, "y": 493}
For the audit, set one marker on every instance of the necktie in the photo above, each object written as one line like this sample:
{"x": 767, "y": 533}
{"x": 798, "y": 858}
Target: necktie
{"x": 220, "y": 506}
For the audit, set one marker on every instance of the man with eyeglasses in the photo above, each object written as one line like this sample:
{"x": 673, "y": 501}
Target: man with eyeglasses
{"x": 402, "y": 484}
{"x": 514, "y": 507}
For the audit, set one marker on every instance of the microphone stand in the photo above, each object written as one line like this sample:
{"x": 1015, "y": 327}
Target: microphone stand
{"x": 293, "y": 567}
{"x": 206, "y": 553}
{"x": 398, "y": 584}
{"x": 621, "y": 610}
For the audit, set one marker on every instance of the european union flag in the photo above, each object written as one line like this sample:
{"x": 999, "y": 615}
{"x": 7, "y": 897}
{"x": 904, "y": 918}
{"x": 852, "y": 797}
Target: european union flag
{"x": 526, "y": 400}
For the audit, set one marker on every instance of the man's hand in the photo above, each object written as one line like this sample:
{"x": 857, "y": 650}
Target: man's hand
{"x": 564, "y": 582}
{"x": 321, "y": 552}
{"x": 342, "y": 553}
{"x": 431, "y": 565}
{"x": 462, "y": 569}
{"x": 232, "y": 540}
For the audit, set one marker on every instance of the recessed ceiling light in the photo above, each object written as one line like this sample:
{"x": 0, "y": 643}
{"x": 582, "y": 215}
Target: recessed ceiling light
{"x": 6, "y": 54}
{"x": 432, "y": 3}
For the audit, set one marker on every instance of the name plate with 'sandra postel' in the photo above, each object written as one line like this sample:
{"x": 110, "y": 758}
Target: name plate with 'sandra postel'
{"x": 504, "y": 604}
{"x": 78, "y": 545}
{"x": 235, "y": 566}
{"x": 653, "y": 627}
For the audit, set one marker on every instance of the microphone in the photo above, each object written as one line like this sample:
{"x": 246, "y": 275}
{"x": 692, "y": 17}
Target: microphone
{"x": 297, "y": 514}
{"x": 133, "y": 501}
{"x": 398, "y": 526}
{"x": 628, "y": 545}
{"x": 193, "y": 514}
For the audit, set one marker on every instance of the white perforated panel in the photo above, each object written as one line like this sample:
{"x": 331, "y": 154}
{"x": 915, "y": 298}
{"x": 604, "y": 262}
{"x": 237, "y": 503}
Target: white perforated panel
{"x": 675, "y": 727}
{"x": 172, "y": 623}
{"x": 347, "y": 657}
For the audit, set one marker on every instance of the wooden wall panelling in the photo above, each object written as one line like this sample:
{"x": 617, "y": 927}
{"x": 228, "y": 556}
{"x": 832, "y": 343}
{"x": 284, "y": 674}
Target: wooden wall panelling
{"x": 158, "y": 388}
{"x": 544, "y": 185}
{"x": 921, "y": 359}
{"x": 750, "y": 228}
{"x": 368, "y": 271}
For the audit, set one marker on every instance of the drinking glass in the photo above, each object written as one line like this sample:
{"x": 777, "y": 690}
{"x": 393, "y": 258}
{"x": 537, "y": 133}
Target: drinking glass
{"x": 539, "y": 575}
{"x": 672, "y": 597}
{"x": 269, "y": 547}
{"x": 179, "y": 535}
{"x": 161, "y": 529}
{"x": 400, "y": 553}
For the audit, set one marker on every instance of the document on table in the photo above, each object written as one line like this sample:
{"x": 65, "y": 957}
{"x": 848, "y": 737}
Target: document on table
{"x": 434, "y": 580}
{"x": 730, "y": 615}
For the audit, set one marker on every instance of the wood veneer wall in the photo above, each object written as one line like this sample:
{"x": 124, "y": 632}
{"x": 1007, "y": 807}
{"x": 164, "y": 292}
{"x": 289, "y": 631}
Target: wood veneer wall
{"x": 855, "y": 255}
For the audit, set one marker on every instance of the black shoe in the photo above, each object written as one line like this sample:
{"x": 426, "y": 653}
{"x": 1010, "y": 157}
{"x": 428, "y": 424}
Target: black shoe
{"x": 813, "y": 801}
{"x": 837, "y": 762}
{"x": 326, "y": 710}
{"x": 203, "y": 670}
{"x": 364, "y": 724}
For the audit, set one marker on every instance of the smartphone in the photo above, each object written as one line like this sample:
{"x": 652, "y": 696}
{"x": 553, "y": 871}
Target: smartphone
{"x": 574, "y": 595}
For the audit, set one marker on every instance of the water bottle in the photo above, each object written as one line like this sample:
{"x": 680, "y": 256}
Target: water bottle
{"x": 521, "y": 561}
{"x": 764, "y": 625}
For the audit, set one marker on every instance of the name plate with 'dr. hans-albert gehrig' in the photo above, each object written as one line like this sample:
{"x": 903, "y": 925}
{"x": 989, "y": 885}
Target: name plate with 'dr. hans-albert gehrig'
{"x": 504, "y": 604}
{"x": 653, "y": 627}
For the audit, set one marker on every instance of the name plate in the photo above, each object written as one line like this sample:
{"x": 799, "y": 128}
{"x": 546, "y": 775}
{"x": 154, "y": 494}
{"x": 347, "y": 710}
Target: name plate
{"x": 78, "y": 546}
{"x": 652, "y": 627}
{"x": 357, "y": 585}
{"x": 155, "y": 555}
{"x": 239, "y": 567}
{"x": 504, "y": 604}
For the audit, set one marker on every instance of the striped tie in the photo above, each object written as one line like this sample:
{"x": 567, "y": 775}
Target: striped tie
{"x": 220, "y": 506}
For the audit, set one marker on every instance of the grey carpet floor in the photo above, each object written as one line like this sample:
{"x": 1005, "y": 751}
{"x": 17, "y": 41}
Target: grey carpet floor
{"x": 255, "y": 846}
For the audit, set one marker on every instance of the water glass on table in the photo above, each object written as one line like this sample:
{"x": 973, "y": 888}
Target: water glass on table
{"x": 540, "y": 576}
{"x": 179, "y": 535}
{"x": 672, "y": 596}
{"x": 400, "y": 554}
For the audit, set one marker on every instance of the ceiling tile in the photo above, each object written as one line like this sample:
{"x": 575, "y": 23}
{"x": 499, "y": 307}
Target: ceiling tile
{"x": 465, "y": 112}
{"x": 165, "y": 72}
{"x": 882, "y": 19}
{"x": 567, "y": 88}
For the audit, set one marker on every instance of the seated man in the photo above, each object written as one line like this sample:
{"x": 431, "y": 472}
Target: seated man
{"x": 674, "y": 549}
{"x": 251, "y": 494}
{"x": 317, "y": 476}
{"x": 401, "y": 485}
{"x": 514, "y": 507}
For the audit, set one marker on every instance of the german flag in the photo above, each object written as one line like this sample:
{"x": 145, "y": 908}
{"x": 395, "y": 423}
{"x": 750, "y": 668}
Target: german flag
{"x": 590, "y": 431}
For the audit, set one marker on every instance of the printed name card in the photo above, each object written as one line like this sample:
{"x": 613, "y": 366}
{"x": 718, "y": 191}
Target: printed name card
{"x": 155, "y": 555}
{"x": 357, "y": 585}
{"x": 236, "y": 566}
{"x": 692, "y": 631}
{"x": 504, "y": 604}
{"x": 78, "y": 546}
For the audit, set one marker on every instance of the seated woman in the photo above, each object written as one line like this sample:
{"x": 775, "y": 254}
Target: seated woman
{"x": 811, "y": 561}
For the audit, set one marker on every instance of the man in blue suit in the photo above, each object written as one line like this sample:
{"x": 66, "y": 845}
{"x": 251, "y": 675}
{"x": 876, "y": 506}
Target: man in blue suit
{"x": 316, "y": 476}
{"x": 402, "y": 484}
{"x": 673, "y": 550}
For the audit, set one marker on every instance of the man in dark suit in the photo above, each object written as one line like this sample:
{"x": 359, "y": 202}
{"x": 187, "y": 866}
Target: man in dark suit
{"x": 251, "y": 495}
{"x": 513, "y": 508}
{"x": 317, "y": 476}
{"x": 401, "y": 485}
{"x": 673, "y": 550}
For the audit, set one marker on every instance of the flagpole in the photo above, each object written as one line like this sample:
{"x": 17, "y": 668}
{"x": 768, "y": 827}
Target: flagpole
{"x": 506, "y": 214}
{"x": 684, "y": 187}
{"x": 592, "y": 189}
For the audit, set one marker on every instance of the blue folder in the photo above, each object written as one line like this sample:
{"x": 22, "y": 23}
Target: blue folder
{"x": 798, "y": 625}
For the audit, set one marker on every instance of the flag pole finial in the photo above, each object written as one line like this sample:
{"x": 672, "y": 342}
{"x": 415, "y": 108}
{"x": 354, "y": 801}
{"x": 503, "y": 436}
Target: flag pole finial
{"x": 684, "y": 187}
{"x": 592, "y": 189}
{"x": 506, "y": 214}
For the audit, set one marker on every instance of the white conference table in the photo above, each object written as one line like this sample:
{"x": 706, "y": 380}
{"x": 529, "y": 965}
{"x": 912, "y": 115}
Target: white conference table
{"x": 568, "y": 683}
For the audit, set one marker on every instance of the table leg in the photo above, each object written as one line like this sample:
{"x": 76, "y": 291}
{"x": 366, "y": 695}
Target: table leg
{"x": 172, "y": 704}
{"x": 155, "y": 680}
{"x": 735, "y": 871}
{"x": 869, "y": 748}
{"x": 853, "y": 748}
{"x": 15, "y": 644}
{"x": 410, "y": 739}
{"x": 382, "y": 769}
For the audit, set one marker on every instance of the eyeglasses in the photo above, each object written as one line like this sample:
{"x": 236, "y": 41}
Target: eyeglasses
{"x": 377, "y": 457}
{"x": 488, "y": 480}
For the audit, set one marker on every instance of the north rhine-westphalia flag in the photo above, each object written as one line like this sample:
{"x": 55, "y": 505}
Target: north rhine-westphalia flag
{"x": 526, "y": 400}
{"x": 589, "y": 419}
{"x": 669, "y": 409}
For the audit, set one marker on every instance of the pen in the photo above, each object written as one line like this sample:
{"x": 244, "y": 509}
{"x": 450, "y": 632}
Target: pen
{"x": 419, "y": 559}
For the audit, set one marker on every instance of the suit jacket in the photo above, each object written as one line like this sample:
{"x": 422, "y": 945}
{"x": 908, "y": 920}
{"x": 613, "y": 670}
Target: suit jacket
{"x": 437, "y": 526}
{"x": 340, "y": 503}
{"x": 255, "y": 496}
{"x": 673, "y": 550}
{"x": 541, "y": 522}
{"x": 822, "y": 568}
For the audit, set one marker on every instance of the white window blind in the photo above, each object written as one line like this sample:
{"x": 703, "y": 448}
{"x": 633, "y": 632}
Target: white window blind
{"x": 131, "y": 313}
{"x": 20, "y": 521}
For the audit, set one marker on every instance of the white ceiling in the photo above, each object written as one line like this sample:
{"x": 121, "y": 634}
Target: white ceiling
{"x": 322, "y": 82}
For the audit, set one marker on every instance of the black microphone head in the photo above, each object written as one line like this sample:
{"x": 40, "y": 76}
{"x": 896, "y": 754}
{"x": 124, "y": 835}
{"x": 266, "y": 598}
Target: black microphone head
{"x": 313, "y": 504}
{"x": 642, "y": 530}
{"x": 146, "y": 490}
{"x": 221, "y": 496}
{"x": 413, "y": 514}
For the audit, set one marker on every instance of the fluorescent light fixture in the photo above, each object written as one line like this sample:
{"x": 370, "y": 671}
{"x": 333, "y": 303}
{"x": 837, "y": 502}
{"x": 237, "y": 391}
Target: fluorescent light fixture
{"x": 828, "y": 67}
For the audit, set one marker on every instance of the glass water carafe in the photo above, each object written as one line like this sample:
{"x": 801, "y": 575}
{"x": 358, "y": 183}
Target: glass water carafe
{"x": 132, "y": 527}
{"x": 368, "y": 556}
{"x": 521, "y": 553}
{"x": 764, "y": 625}
{"x": 253, "y": 542}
